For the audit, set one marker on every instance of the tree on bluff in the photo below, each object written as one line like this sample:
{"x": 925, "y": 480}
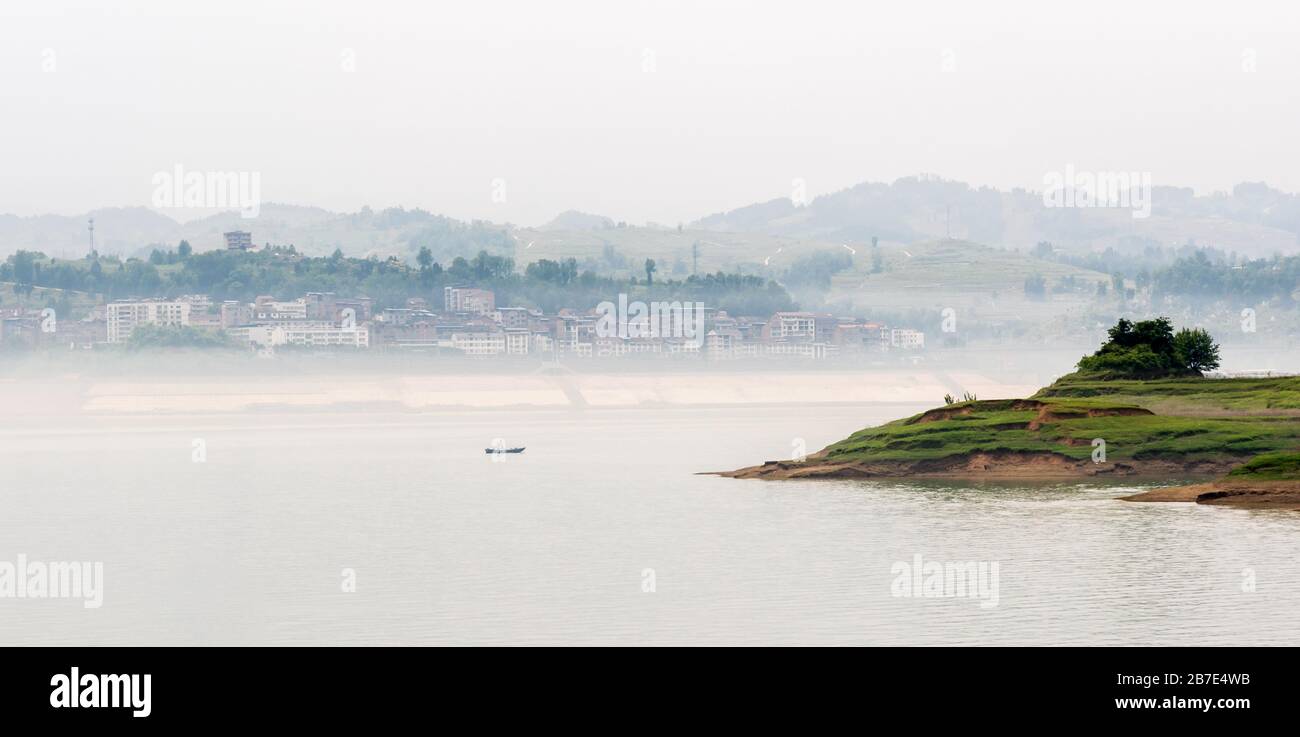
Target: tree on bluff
{"x": 1150, "y": 349}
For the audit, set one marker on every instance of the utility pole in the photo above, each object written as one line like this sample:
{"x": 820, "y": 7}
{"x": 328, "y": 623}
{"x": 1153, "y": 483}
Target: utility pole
{"x": 90, "y": 226}
{"x": 695, "y": 258}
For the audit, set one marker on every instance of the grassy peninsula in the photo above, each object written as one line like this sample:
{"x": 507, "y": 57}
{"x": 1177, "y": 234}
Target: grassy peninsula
{"x": 1153, "y": 416}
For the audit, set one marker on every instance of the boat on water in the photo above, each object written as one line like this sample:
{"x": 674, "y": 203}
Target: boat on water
{"x": 503, "y": 450}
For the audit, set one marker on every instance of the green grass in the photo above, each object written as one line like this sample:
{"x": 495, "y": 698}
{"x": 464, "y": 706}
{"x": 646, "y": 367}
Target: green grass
{"x": 1223, "y": 419}
{"x": 1195, "y": 395}
{"x": 1269, "y": 467}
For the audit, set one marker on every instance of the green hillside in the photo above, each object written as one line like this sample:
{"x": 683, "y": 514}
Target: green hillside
{"x": 969, "y": 277}
{"x": 1229, "y": 420}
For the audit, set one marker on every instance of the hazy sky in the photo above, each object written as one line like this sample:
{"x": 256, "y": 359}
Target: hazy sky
{"x": 662, "y": 111}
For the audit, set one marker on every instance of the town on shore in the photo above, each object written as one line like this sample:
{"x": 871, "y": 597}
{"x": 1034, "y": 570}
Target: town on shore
{"x": 468, "y": 322}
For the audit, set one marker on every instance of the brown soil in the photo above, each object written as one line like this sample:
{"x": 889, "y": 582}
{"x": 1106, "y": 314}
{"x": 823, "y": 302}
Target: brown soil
{"x": 947, "y": 413}
{"x": 1275, "y": 494}
{"x": 999, "y": 464}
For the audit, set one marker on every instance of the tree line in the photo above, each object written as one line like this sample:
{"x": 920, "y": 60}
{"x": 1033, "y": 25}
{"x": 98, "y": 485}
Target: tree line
{"x": 283, "y": 273}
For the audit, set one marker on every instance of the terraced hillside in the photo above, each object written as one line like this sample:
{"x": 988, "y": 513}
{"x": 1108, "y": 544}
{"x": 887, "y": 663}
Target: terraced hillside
{"x": 980, "y": 281}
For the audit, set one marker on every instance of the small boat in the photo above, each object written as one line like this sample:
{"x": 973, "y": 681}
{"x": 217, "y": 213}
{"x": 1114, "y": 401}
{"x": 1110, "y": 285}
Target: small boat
{"x": 503, "y": 450}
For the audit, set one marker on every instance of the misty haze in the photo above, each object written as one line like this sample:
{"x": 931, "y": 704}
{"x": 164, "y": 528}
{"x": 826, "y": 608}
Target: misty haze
{"x": 667, "y": 324}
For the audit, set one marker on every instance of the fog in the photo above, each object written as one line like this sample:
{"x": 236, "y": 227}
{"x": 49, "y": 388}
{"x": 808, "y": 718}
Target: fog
{"x": 649, "y": 323}
{"x": 662, "y": 112}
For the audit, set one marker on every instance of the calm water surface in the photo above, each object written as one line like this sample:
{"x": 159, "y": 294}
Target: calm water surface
{"x": 553, "y": 546}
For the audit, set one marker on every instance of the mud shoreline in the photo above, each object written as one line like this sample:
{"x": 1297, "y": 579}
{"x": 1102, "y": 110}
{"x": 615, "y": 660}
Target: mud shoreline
{"x": 1013, "y": 466}
{"x": 981, "y": 465}
{"x": 1268, "y": 494}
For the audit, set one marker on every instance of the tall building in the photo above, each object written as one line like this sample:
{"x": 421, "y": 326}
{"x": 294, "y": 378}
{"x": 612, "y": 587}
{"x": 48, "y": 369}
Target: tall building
{"x": 512, "y": 317}
{"x": 330, "y": 307}
{"x": 465, "y": 299}
{"x": 239, "y": 240}
{"x": 235, "y": 313}
{"x": 123, "y": 317}
{"x": 784, "y": 325}
{"x": 361, "y": 307}
{"x": 321, "y": 305}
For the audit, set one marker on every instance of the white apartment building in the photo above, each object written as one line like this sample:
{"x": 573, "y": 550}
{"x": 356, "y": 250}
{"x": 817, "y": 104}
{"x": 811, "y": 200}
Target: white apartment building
{"x": 682, "y": 346}
{"x": 198, "y": 302}
{"x": 479, "y": 344}
{"x": 904, "y": 338}
{"x": 543, "y": 343}
{"x": 272, "y": 311}
{"x": 793, "y": 325}
{"x": 720, "y": 344}
{"x": 353, "y": 337}
{"x": 238, "y": 240}
{"x": 517, "y": 342}
{"x": 318, "y": 334}
{"x": 511, "y": 318}
{"x": 800, "y": 349}
{"x": 605, "y": 347}
{"x": 123, "y": 317}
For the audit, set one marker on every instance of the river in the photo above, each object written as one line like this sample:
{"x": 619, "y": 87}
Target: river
{"x": 367, "y": 527}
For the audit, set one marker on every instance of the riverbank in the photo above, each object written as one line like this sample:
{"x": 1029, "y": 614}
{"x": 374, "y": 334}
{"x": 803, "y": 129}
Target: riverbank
{"x": 1077, "y": 428}
{"x": 1271, "y": 494}
{"x": 993, "y": 465}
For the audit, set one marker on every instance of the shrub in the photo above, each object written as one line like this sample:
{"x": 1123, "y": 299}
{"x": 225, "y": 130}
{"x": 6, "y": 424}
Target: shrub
{"x": 1150, "y": 350}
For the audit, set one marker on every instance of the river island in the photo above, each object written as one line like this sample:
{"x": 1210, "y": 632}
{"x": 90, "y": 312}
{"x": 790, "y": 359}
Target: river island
{"x": 1142, "y": 406}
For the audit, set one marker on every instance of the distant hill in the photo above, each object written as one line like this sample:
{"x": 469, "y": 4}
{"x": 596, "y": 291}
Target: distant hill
{"x": 1253, "y": 220}
{"x": 135, "y": 231}
{"x": 117, "y": 230}
{"x": 574, "y": 220}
